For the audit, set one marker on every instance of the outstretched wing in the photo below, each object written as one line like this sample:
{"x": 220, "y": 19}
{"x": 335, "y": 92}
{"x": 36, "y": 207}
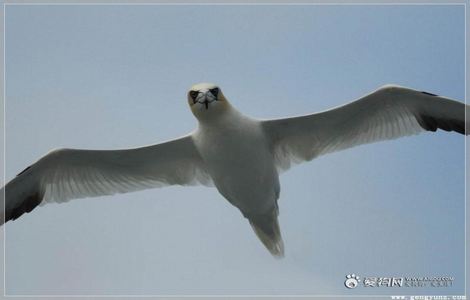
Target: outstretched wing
{"x": 387, "y": 113}
{"x": 66, "y": 174}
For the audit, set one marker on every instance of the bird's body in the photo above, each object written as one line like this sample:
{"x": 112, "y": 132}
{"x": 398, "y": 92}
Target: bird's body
{"x": 238, "y": 158}
{"x": 227, "y": 147}
{"x": 241, "y": 156}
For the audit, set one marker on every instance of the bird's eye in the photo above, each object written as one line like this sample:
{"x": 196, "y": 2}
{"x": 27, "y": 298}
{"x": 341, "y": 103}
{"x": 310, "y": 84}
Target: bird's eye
{"x": 214, "y": 91}
{"x": 193, "y": 94}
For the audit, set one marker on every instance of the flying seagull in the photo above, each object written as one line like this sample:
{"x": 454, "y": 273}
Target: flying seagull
{"x": 241, "y": 156}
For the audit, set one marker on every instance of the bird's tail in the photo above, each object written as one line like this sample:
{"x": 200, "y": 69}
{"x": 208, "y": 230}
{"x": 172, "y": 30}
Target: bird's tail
{"x": 266, "y": 228}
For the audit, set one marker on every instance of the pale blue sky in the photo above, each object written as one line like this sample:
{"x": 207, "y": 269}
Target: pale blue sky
{"x": 104, "y": 77}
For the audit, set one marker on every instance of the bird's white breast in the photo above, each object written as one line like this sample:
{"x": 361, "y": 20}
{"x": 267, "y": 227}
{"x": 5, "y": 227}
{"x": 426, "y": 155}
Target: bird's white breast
{"x": 238, "y": 159}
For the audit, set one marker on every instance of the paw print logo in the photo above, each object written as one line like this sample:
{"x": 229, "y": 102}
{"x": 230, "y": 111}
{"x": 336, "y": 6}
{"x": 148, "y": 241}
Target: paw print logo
{"x": 352, "y": 280}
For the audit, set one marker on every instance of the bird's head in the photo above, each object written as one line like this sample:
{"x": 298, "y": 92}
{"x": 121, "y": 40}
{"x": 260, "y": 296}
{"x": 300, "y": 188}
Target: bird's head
{"x": 207, "y": 100}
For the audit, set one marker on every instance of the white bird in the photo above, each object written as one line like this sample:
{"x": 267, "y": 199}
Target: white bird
{"x": 241, "y": 156}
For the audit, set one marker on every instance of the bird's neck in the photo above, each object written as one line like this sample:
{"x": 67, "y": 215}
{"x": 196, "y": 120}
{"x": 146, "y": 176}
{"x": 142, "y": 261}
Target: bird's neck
{"x": 225, "y": 117}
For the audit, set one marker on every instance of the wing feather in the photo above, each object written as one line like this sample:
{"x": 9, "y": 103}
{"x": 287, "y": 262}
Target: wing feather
{"x": 67, "y": 174}
{"x": 388, "y": 113}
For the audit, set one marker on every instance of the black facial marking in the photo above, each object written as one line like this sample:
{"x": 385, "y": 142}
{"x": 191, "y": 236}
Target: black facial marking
{"x": 206, "y": 103}
{"x": 214, "y": 91}
{"x": 193, "y": 95}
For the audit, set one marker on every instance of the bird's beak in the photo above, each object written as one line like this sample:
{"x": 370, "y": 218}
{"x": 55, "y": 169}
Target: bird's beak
{"x": 205, "y": 98}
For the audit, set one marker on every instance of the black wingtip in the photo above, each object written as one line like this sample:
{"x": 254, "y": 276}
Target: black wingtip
{"x": 429, "y": 94}
{"x": 432, "y": 124}
{"x": 26, "y": 206}
{"x": 23, "y": 171}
